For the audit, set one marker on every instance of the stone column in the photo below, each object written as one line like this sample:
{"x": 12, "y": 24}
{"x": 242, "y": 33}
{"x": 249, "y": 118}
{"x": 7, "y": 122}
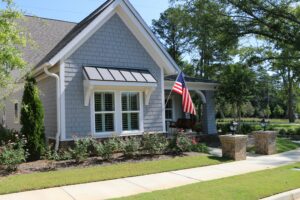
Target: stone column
{"x": 265, "y": 142}
{"x": 209, "y": 114}
{"x": 234, "y": 146}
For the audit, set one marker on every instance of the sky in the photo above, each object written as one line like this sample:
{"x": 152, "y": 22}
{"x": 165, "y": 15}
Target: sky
{"x": 76, "y": 10}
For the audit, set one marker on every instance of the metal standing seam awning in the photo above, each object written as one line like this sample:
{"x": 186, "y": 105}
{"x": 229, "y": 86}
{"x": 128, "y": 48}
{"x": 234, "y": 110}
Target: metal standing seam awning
{"x": 117, "y": 78}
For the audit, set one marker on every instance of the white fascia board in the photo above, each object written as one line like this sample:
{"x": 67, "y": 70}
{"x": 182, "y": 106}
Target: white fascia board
{"x": 145, "y": 36}
{"x": 194, "y": 86}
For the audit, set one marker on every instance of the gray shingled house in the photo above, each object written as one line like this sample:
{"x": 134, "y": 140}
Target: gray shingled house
{"x": 107, "y": 75}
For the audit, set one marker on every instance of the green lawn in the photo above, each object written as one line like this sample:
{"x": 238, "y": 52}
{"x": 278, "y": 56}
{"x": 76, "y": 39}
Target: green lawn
{"x": 284, "y": 145}
{"x": 18, "y": 183}
{"x": 250, "y": 186}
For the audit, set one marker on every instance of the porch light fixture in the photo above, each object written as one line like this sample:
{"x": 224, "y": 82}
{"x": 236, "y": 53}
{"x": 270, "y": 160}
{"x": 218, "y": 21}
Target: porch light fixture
{"x": 233, "y": 127}
{"x": 264, "y": 123}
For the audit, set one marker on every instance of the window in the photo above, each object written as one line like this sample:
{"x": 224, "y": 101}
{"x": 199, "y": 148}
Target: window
{"x": 130, "y": 111}
{"x": 104, "y": 112}
{"x": 16, "y": 109}
{"x": 169, "y": 110}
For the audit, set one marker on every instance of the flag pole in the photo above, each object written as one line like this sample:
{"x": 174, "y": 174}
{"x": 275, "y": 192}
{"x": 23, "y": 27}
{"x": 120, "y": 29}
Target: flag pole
{"x": 171, "y": 91}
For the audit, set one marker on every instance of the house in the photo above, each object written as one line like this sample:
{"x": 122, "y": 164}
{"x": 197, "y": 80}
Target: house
{"x": 106, "y": 75}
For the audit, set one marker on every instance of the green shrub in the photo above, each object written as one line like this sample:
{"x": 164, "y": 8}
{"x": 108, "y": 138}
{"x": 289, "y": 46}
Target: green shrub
{"x": 180, "y": 143}
{"x": 51, "y": 154}
{"x": 282, "y": 132}
{"x": 13, "y": 154}
{"x": 7, "y": 135}
{"x": 107, "y": 148}
{"x": 245, "y": 129}
{"x": 201, "y": 148}
{"x": 32, "y": 119}
{"x": 290, "y": 132}
{"x": 131, "y": 147}
{"x": 80, "y": 150}
{"x": 154, "y": 144}
{"x": 297, "y": 131}
{"x": 224, "y": 128}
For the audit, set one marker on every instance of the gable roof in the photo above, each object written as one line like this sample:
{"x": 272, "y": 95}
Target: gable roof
{"x": 96, "y": 19}
{"x": 74, "y": 32}
{"x": 45, "y": 35}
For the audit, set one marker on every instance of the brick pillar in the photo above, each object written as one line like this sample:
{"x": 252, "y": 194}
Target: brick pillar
{"x": 209, "y": 114}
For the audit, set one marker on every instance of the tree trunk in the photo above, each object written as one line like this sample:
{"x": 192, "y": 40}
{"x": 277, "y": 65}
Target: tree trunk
{"x": 291, "y": 114}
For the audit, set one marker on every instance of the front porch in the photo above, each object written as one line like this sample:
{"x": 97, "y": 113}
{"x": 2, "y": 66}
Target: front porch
{"x": 202, "y": 92}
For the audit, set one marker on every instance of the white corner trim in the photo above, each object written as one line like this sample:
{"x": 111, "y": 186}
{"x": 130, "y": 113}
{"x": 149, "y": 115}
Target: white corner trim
{"x": 62, "y": 100}
{"x": 163, "y": 101}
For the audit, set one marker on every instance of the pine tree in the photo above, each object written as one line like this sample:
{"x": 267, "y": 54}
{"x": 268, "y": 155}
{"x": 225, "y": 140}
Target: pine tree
{"x": 32, "y": 119}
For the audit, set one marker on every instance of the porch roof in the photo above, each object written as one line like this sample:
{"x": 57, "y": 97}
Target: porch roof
{"x": 190, "y": 79}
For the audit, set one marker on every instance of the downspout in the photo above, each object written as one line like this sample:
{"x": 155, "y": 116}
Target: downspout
{"x": 57, "y": 104}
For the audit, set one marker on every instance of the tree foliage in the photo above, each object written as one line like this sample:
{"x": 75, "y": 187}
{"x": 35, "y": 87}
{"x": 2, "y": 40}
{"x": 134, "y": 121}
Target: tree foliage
{"x": 237, "y": 85}
{"x": 32, "y": 119}
{"x": 11, "y": 39}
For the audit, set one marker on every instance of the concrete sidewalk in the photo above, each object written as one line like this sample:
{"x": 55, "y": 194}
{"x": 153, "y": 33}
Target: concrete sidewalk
{"x": 135, "y": 185}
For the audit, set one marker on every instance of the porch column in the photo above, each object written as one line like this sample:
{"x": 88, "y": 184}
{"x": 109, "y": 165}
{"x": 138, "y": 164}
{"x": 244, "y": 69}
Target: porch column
{"x": 209, "y": 114}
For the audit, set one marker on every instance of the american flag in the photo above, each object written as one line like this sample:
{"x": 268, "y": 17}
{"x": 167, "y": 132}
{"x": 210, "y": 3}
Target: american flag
{"x": 181, "y": 88}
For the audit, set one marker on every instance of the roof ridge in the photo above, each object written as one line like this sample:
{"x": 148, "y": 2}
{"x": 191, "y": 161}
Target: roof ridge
{"x": 45, "y": 18}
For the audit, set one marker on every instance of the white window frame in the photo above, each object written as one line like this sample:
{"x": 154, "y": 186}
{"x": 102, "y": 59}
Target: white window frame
{"x": 172, "y": 109}
{"x": 117, "y": 115}
{"x": 139, "y": 112}
{"x": 94, "y": 112}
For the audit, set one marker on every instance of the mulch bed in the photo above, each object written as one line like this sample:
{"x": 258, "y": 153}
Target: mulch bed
{"x": 47, "y": 165}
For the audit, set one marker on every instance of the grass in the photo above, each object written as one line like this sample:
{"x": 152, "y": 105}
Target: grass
{"x": 250, "y": 186}
{"x": 284, "y": 121}
{"x": 26, "y": 182}
{"x": 284, "y": 145}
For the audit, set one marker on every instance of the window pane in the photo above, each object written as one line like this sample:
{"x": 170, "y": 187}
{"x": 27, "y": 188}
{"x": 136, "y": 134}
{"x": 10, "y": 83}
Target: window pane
{"x": 130, "y": 121}
{"x": 169, "y": 104}
{"x": 125, "y": 102}
{"x": 109, "y": 122}
{"x": 169, "y": 114}
{"x": 109, "y": 102}
{"x": 134, "y": 101}
{"x": 99, "y": 123}
{"x": 134, "y": 121}
{"x": 125, "y": 121}
{"x": 98, "y": 102}
{"x": 130, "y": 101}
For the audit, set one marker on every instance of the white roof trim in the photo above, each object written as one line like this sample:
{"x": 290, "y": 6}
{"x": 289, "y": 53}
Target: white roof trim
{"x": 194, "y": 86}
{"x": 125, "y": 9}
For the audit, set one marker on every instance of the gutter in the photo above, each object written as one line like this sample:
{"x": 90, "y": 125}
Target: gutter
{"x": 58, "y": 133}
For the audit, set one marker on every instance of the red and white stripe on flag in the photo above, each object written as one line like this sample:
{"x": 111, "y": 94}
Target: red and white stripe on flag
{"x": 181, "y": 89}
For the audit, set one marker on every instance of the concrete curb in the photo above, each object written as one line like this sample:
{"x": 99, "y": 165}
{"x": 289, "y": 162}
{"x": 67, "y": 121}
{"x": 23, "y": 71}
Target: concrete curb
{"x": 290, "y": 195}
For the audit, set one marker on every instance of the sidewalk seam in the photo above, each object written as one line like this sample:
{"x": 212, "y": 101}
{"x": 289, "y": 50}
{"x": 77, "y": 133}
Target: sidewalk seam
{"x": 128, "y": 181}
{"x": 68, "y": 193}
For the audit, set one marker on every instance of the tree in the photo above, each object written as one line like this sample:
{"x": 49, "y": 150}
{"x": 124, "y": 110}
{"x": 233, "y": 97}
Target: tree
{"x": 237, "y": 86}
{"x": 208, "y": 31}
{"x": 168, "y": 29}
{"x": 278, "y": 111}
{"x": 32, "y": 119}
{"x": 11, "y": 39}
{"x": 275, "y": 20}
